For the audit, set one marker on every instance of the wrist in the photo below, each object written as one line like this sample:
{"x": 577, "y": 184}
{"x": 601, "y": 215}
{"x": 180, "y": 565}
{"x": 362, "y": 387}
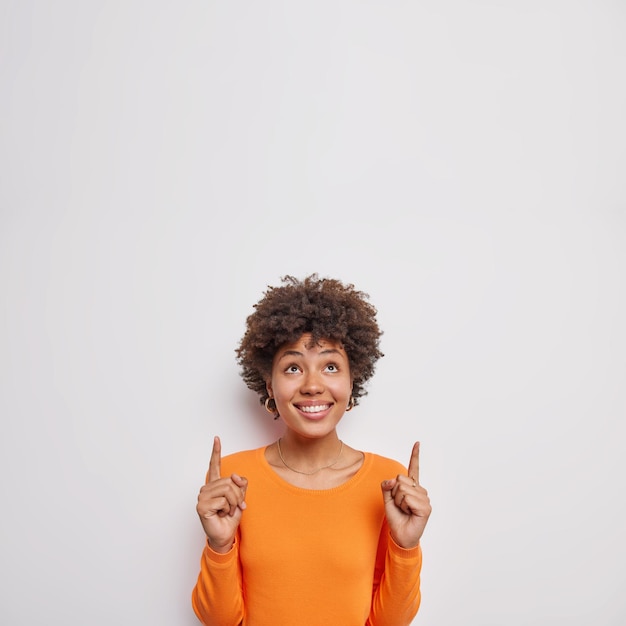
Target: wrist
{"x": 409, "y": 544}
{"x": 220, "y": 548}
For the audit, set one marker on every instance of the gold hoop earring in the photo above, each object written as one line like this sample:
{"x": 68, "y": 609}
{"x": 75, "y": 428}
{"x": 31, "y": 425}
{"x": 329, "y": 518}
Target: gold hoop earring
{"x": 351, "y": 404}
{"x": 270, "y": 407}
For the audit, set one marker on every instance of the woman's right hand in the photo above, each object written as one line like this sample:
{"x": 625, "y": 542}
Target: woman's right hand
{"x": 221, "y": 503}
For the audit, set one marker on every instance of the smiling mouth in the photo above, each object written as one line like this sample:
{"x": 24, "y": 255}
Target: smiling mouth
{"x": 318, "y": 408}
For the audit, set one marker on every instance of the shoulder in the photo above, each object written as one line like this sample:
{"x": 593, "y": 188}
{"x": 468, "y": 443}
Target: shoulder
{"x": 242, "y": 462}
{"x": 384, "y": 466}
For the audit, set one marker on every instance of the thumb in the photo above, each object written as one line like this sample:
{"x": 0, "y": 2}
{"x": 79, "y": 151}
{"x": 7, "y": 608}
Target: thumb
{"x": 387, "y": 486}
{"x": 241, "y": 482}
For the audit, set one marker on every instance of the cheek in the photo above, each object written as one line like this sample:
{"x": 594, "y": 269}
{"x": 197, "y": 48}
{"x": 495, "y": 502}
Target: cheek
{"x": 343, "y": 387}
{"x": 283, "y": 387}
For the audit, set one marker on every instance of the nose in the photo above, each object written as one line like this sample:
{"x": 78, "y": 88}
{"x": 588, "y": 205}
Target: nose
{"x": 312, "y": 384}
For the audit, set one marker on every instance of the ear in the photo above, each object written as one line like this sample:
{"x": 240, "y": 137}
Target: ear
{"x": 268, "y": 386}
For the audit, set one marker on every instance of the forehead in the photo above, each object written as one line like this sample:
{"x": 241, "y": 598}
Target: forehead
{"x": 305, "y": 344}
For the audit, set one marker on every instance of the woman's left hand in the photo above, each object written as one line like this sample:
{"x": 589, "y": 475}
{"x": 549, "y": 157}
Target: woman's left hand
{"x": 407, "y": 506}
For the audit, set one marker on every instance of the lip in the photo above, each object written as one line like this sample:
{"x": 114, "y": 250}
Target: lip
{"x": 314, "y": 416}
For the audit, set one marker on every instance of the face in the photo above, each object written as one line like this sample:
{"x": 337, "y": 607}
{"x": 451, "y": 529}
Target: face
{"x": 311, "y": 385}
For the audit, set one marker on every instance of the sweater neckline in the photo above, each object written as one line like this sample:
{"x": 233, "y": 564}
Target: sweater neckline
{"x": 280, "y": 481}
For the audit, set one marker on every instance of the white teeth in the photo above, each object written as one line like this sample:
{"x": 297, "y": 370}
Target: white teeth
{"x": 314, "y": 409}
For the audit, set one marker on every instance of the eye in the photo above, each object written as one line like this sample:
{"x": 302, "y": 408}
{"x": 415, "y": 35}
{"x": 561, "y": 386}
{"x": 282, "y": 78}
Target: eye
{"x": 331, "y": 367}
{"x": 292, "y": 369}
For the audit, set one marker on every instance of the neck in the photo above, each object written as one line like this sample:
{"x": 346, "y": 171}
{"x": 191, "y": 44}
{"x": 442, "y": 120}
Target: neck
{"x": 314, "y": 448}
{"x": 308, "y": 456}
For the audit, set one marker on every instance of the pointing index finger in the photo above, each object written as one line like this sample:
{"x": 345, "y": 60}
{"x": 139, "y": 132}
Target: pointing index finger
{"x": 216, "y": 457}
{"x": 414, "y": 463}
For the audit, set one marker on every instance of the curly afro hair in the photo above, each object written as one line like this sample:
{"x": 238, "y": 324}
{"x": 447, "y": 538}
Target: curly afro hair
{"x": 324, "y": 307}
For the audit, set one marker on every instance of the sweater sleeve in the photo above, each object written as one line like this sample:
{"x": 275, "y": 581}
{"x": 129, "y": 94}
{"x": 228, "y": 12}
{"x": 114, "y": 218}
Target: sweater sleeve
{"x": 217, "y": 598}
{"x": 396, "y": 594}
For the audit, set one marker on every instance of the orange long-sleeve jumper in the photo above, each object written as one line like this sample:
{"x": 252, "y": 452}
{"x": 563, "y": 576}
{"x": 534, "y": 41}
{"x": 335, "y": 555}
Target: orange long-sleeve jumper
{"x": 310, "y": 558}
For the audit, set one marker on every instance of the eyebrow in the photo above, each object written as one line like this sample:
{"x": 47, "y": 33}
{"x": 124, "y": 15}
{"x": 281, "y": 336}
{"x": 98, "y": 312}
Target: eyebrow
{"x": 287, "y": 353}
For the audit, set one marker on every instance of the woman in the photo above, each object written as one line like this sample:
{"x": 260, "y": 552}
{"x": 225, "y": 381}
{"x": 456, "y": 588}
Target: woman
{"x": 308, "y": 531}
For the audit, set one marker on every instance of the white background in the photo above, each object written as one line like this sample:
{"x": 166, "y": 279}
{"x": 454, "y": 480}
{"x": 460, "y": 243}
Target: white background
{"x": 463, "y": 163}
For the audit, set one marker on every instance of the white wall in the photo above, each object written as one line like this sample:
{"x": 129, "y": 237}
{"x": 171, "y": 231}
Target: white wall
{"x": 462, "y": 162}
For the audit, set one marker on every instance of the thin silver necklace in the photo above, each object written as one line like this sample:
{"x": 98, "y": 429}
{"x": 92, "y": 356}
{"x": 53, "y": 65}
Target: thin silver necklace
{"x": 319, "y": 469}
